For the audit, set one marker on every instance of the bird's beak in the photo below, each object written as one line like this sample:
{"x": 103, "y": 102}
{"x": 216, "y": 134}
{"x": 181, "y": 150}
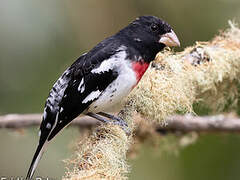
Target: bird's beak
{"x": 170, "y": 39}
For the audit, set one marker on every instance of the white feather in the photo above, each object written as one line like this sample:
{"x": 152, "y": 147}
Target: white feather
{"x": 93, "y": 95}
{"x": 111, "y": 62}
{"x": 81, "y": 86}
{"x": 114, "y": 94}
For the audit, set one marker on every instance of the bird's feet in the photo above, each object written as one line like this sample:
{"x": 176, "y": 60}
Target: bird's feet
{"x": 114, "y": 118}
{"x": 111, "y": 119}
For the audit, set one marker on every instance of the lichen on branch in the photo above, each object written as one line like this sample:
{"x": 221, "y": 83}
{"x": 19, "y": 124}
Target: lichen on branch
{"x": 101, "y": 156}
{"x": 206, "y": 73}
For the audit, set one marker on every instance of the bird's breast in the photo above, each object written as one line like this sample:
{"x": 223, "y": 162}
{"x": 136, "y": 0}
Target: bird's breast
{"x": 117, "y": 90}
{"x": 139, "y": 67}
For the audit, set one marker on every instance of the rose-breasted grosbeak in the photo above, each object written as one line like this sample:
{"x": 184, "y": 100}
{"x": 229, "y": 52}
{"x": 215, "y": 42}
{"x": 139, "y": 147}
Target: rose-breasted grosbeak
{"x": 98, "y": 80}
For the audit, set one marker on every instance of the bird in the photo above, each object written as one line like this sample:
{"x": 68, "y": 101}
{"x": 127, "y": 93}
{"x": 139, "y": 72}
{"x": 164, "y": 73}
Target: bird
{"x": 97, "y": 82}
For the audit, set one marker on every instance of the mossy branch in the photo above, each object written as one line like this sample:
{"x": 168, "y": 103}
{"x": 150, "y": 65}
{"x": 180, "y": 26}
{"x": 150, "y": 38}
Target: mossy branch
{"x": 208, "y": 72}
{"x": 184, "y": 123}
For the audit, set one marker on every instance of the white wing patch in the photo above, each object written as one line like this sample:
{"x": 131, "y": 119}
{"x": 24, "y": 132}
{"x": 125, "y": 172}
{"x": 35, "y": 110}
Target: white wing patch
{"x": 93, "y": 95}
{"x": 112, "y": 61}
{"x": 81, "y": 86}
{"x": 105, "y": 66}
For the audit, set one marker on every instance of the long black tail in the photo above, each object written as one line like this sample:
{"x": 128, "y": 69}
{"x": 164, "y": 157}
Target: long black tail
{"x": 47, "y": 126}
{"x": 36, "y": 158}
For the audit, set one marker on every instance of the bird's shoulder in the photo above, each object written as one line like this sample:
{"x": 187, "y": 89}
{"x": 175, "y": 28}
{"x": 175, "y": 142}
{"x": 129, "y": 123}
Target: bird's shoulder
{"x": 94, "y": 58}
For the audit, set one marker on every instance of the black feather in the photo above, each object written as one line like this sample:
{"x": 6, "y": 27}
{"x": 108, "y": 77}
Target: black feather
{"x": 71, "y": 102}
{"x": 45, "y": 132}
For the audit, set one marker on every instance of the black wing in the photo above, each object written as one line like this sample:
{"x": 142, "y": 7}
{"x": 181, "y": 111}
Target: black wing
{"x": 66, "y": 99}
{"x": 76, "y": 84}
{"x": 79, "y": 88}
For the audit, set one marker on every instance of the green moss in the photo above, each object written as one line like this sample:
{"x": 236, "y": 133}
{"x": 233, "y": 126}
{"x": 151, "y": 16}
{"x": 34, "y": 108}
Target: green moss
{"x": 201, "y": 109}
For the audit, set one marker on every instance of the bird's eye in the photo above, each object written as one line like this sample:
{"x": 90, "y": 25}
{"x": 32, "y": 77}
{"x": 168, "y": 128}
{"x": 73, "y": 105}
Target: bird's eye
{"x": 154, "y": 27}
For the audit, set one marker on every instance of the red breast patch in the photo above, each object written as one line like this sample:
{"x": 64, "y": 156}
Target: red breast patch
{"x": 139, "y": 68}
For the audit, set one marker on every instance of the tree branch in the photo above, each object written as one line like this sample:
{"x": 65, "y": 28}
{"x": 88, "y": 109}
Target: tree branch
{"x": 27, "y": 120}
{"x": 188, "y": 123}
{"x": 184, "y": 123}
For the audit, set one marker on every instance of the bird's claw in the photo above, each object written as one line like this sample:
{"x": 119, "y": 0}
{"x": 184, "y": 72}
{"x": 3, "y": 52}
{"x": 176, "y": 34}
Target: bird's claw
{"x": 117, "y": 121}
{"x": 120, "y": 122}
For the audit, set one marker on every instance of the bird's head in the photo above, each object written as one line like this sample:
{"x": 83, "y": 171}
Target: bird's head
{"x": 150, "y": 35}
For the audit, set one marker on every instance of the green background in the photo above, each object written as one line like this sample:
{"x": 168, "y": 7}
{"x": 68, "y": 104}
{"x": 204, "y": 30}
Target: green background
{"x": 40, "y": 39}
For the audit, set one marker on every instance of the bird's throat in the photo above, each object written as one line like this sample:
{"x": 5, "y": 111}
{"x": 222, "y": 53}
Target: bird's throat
{"x": 139, "y": 68}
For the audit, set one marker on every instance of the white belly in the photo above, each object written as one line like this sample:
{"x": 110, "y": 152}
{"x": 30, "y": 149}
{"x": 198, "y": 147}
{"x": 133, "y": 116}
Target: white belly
{"x": 112, "y": 97}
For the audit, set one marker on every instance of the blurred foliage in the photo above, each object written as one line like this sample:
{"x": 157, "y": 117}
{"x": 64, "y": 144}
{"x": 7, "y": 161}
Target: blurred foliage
{"x": 39, "y": 39}
{"x": 201, "y": 109}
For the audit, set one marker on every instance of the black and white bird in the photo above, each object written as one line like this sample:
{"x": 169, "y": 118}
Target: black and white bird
{"x": 98, "y": 80}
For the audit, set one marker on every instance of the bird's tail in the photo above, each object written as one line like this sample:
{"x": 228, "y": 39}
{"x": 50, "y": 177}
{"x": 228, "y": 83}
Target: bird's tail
{"x": 45, "y": 132}
{"x": 36, "y": 158}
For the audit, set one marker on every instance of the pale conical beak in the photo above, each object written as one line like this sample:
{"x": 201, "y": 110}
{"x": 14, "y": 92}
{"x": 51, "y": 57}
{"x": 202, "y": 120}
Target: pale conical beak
{"x": 170, "y": 39}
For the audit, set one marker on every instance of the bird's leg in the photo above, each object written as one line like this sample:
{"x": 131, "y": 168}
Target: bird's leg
{"x": 98, "y": 117}
{"x": 113, "y": 119}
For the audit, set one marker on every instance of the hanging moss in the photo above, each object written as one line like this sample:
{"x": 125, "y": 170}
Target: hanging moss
{"x": 203, "y": 78}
